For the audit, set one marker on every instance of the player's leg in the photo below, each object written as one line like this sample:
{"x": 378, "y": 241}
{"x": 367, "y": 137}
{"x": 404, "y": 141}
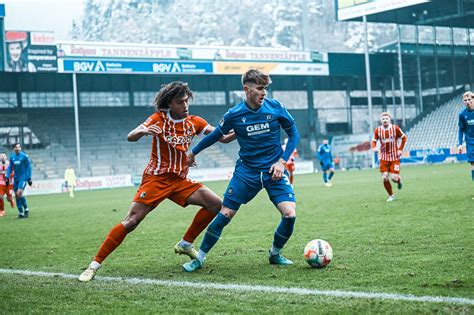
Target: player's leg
{"x": 2, "y": 204}
{"x": 10, "y": 194}
{"x": 18, "y": 187}
{"x": 282, "y": 195}
{"x": 395, "y": 174}
{"x": 116, "y": 235}
{"x": 472, "y": 171}
{"x": 244, "y": 185}
{"x": 331, "y": 172}
{"x": 211, "y": 205}
{"x": 71, "y": 191}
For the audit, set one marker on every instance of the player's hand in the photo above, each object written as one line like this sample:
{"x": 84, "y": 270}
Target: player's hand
{"x": 399, "y": 152}
{"x": 7, "y": 182}
{"x": 277, "y": 170}
{"x": 153, "y": 130}
{"x": 30, "y": 182}
{"x": 191, "y": 159}
{"x": 460, "y": 149}
{"x": 375, "y": 150}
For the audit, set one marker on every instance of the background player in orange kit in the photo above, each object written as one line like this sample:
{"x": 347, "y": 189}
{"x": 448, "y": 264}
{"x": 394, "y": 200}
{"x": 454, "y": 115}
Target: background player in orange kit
{"x": 389, "y": 155}
{"x": 164, "y": 177}
{"x": 290, "y": 164}
{"x": 4, "y": 188}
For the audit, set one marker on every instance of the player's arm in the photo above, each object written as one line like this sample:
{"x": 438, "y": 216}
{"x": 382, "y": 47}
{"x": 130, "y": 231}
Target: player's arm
{"x": 462, "y": 128}
{"x": 28, "y": 170}
{"x": 277, "y": 170}
{"x": 9, "y": 172}
{"x": 141, "y": 130}
{"x": 206, "y": 142}
{"x": 225, "y": 138}
{"x": 374, "y": 141}
{"x": 403, "y": 142}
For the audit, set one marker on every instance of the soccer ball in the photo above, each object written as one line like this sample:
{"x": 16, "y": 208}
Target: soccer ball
{"x": 318, "y": 253}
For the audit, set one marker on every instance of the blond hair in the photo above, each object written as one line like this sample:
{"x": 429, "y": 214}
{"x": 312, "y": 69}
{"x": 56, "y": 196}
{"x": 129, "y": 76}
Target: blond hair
{"x": 385, "y": 114}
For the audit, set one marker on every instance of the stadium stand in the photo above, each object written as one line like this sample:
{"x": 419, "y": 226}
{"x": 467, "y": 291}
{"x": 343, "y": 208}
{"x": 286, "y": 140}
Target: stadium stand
{"x": 104, "y": 147}
{"x": 438, "y": 129}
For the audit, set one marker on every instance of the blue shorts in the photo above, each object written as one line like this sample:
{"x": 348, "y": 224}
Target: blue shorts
{"x": 246, "y": 183}
{"x": 327, "y": 166}
{"x": 470, "y": 153}
{"x": 19, "y": 184}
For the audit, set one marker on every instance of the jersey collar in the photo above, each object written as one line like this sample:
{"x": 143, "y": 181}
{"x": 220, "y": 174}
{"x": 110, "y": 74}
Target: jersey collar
{"x": 174, "y": 120}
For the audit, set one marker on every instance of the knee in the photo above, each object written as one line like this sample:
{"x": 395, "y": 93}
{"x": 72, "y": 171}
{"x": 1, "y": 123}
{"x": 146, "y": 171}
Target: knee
{"x": 394, "y": 178}
{"x": 130, "y": 224}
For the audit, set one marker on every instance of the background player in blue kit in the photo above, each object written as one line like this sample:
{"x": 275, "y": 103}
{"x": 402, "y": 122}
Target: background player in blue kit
{"x": 324, "y": 156}
{"x": 466, "y": 128}
{"x": 257, "y": 122}
{"x": 21, "y": 164}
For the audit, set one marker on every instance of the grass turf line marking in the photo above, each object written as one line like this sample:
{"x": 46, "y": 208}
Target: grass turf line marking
{"x": 256, "y": 288}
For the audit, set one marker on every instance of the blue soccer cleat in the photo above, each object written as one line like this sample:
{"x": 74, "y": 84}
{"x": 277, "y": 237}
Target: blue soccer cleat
{"x": 192, "y": 265}
{"x": 279, "y": 260}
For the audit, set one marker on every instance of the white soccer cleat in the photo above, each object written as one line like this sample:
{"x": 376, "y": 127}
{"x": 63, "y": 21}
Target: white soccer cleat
{"x": 89, "y": 274}
{"x": 391, "y": 198}
{"x": 189, "y": 251}
{"x": 328, "y": 184}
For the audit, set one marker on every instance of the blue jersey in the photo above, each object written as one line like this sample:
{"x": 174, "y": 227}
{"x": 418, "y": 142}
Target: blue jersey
{"x": 324, "y": 153}
{"x": 466, "y": 127}
{"x": 22, "y": 166}
{"x": 258, "y": 132}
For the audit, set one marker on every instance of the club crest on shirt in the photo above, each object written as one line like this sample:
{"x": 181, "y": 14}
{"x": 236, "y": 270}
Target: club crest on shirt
{"x": 221, "y": 123}
{"x": 244, "y": 119}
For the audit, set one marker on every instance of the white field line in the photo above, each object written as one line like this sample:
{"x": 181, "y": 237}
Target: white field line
{"x": 256, "y": 288}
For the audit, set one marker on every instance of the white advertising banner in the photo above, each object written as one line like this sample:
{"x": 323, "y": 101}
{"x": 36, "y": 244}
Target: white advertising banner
{"x": 218, "y": 53}
{"x": 349, "y": 9}
{"x": 52, "y": 186}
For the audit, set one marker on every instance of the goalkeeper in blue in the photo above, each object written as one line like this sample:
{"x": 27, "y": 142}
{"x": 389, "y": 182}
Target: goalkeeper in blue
{"x": 20, "y": 164}
{"x": 466, "y": 129}
{"x": 324, "y": 156}
{"x": 257, "y": 123}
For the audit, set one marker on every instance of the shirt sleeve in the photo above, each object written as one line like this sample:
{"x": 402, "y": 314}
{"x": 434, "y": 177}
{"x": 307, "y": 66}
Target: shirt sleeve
{"x": 28, "y": 166}
{"x": 9, "y": 169}
{"x": 225, "y": 125}
{"x": 201, "y": 125}
{"x": 286, "y": 120}
{"x": 153, "y": 119}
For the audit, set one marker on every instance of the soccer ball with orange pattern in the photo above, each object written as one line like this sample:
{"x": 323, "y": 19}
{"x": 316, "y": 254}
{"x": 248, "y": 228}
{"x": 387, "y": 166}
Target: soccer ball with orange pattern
{"x": 318, "y": 253}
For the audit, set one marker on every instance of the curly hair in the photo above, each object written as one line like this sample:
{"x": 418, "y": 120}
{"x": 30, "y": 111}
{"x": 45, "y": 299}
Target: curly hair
{"x": 256, "y": 77}
{"x": 168, "y": 92}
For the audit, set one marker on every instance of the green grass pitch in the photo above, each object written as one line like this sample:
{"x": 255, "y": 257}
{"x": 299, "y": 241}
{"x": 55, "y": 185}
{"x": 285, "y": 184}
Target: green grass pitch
{"x": 422, "y": 244}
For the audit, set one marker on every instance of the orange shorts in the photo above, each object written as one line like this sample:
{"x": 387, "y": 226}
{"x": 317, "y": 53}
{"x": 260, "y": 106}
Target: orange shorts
{"x": 156, "y": 188}
{"x": 5, "y": 189}
{"x": 290, "y": 167}
{"x": 392, "y": 167}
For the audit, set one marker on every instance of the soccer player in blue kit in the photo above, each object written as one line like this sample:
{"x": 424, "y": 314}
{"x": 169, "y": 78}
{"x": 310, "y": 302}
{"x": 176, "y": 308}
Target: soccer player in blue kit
{"x": 324, "y": 155}
{"x": 257, "y": 122}
{"x": 466, "y": 128}
{"x": 21, "y": 164}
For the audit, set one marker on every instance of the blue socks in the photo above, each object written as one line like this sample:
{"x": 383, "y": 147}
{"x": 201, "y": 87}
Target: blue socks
{"x": 23, "y": 200}
{"x": 472, "y": 175}
{"x": 214, "y": 232}
{"x": 283, "y": 232}
{"x": 19, "y": 205}
{"x": 325, "y": 177}
{"x": 331, "y": 174}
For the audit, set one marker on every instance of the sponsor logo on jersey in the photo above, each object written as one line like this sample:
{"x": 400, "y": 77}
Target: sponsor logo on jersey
{"x": 221, "y": 123}
{"x": 177, "y": 140}
{"x": 143, "y": 194}
{"x": 470, "y": 122}
{"x": 269, "y": 117}
{"x": 258, "y": 129}
{"x": 230, "y": 191}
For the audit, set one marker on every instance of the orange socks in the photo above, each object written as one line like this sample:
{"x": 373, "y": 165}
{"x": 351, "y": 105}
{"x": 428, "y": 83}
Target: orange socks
{"x": 201, "y": 220}
{"x": 388, "y": 187}
{"x": 112, "y": 241}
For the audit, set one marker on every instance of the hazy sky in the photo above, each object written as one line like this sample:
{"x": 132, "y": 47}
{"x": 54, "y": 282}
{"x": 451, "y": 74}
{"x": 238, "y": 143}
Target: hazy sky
{"x": 42, "y": 15}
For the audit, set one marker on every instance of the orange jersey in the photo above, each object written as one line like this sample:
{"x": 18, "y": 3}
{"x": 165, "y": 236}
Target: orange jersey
{"x": 3, "y": 172}
{"x": 168, "y": 151}
{"x": 389, "y": 142}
